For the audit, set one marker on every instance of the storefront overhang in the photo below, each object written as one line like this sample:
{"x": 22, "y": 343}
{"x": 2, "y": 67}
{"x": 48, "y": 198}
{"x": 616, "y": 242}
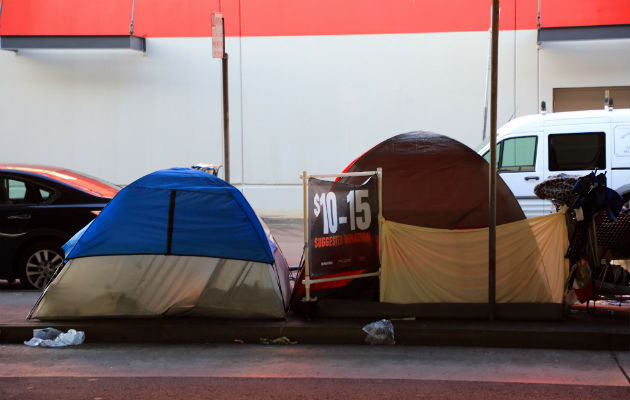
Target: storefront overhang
{"x": 48, "y": 42}
{"x": 598, "y": 32}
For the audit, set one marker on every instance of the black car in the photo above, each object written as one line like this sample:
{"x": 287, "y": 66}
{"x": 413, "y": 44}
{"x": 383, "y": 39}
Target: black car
{"x": 40, "y": 209}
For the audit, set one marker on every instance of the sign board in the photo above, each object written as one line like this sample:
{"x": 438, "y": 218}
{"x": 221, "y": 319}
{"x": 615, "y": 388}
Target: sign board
{"x": 342, "y": 226}
{"x": 218, "y": 35}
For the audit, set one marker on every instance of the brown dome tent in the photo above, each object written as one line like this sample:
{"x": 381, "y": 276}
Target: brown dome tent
{"x": 434, "y": 239}
{"x": 434, "y": 181}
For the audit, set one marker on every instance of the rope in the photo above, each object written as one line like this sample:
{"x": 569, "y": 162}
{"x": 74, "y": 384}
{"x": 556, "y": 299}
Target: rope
{"x": 133, "y": 11}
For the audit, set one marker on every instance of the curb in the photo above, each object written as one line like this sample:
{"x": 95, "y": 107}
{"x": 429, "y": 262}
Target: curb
{"x": 562, "y": 335}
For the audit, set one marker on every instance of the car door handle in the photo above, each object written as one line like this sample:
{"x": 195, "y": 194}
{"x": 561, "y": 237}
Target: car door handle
{"x": 529, "y": 178}
{"x": 19, "y": 216}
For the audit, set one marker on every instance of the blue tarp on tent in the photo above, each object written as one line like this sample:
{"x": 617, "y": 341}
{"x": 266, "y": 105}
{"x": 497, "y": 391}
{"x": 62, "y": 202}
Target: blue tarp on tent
{"x": 179, "y": 211}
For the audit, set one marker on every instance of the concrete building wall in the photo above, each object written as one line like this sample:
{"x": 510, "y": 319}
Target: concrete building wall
{"x": 298, "y": 102}
{"x": 589, "y": 63}
{"x": 112, "y": 114}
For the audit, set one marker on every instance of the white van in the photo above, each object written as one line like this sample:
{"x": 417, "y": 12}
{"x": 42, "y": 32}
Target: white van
{"x": 535, "y": 147}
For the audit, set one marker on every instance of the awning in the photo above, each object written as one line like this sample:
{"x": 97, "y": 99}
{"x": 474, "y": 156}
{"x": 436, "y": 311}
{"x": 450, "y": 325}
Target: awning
{"x": 40, "y": 42}
{"x": 593, "y": 32}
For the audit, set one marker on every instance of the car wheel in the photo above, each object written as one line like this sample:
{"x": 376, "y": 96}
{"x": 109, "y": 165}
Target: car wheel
{"x": 39, "y": 263}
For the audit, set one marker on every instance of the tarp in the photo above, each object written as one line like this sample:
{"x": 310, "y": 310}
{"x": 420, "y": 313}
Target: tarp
{"x": 430, "y": 181}
{"x": 425, "y": 265}
{"x": 434, "y": 181}
{"x": 158, "y": 285}
{"x": 175, "y": 242}
{"x": 179, "y": 211}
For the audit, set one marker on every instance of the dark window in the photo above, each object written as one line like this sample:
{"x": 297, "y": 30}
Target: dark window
{"x": 577, "y": 151}
{"x": 44, "y": 193}
{"x": 518, "y": 154}
{"x": 486, "y": 156}
{"x": 4, "y": 192}
{"x": 17, "y": 191}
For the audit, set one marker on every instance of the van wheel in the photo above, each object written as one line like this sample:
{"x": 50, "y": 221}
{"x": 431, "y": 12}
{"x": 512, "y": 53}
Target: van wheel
{"x": 38, "y": 264}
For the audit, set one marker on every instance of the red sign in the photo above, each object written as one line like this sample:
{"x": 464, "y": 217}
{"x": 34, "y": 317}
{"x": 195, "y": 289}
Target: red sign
{"x": 218, "y": 35}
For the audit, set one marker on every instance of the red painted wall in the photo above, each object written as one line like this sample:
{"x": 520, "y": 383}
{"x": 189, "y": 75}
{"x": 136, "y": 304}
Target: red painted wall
{"x": 191, "y": 18}
{"x": 555, "y": 13}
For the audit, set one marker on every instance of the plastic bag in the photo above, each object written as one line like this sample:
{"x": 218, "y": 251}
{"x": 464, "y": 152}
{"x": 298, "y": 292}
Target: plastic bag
{"x": 51, "y": 337}
{"x": 46, "y": 333}
{"x": 379, "y": 332}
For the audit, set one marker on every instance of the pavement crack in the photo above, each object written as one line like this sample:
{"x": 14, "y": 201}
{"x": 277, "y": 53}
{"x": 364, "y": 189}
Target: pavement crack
{"x": 614, "y": 356}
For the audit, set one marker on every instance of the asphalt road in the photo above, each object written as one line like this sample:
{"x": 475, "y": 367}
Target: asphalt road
{"x": 308, "y": 372}
{"x": 288, "y": 388}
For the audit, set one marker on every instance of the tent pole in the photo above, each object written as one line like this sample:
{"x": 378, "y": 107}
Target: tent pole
{"x": 307, "y": 270}
{"x": 492, "y": 207}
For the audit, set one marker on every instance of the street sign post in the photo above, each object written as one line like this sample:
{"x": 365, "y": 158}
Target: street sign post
{"x": 218, "y": 51}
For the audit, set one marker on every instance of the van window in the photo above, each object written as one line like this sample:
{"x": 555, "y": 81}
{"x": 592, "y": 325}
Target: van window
{"x": 518, "y": 154}
{"x": 486, "y": 155}
{"x": 577, "y": 151}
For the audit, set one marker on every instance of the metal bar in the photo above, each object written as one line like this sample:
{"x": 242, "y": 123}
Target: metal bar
{"x": 492, "y": 206}
{"x": 487, "y": 93}
{"x": 307, "y": 270}
{"x": 226, "y": 118}
{"x": 379, "y": 174}
{"x": 343, "y": 174}
{"x": 342, "y": 278}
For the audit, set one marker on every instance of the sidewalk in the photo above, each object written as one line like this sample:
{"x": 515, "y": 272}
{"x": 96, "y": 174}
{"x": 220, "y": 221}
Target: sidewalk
{"x": 607, "y": 329}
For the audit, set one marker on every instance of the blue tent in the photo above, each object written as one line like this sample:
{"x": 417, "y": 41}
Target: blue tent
{"x": 179, "y": 211}
{"x": 176, "y": 241}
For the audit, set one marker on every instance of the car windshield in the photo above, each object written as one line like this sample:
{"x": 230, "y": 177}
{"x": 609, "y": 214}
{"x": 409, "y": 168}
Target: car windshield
{"x": 86, "y": 183}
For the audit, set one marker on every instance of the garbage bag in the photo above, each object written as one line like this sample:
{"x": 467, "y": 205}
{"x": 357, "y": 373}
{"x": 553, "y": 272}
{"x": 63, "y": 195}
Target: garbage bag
{"x": 51, "y": 337}
{"x": 379, "y": 332}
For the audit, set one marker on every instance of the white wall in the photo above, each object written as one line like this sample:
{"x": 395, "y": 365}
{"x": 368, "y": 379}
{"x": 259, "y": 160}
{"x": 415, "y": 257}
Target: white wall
{"x": 113, "y": 114}
{"x": 296, "y": 103}
{"x": 583, "y": 64}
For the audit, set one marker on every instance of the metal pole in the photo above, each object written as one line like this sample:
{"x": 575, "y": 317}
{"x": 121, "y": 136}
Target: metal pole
{"x": 379, "y": 174}
{"x": 226, "y": 119}
{"x": 485, "y": 101}
{"x": 492, "y": 208}
{"x": 307, "y": 270}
